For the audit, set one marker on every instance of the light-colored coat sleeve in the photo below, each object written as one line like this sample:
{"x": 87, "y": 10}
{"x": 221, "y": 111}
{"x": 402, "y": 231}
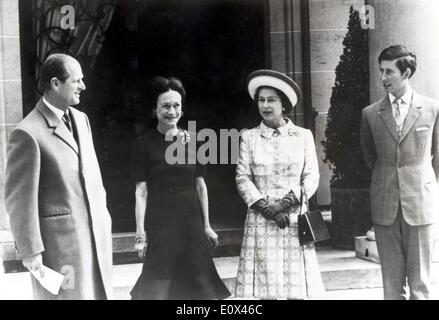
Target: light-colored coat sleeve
{"x": 310, "y": 176}
{"x": 21, "y": 192}
{"x": 92, "y": 156}
{"x": 366, "y": 141}
{"x": 435, "y": 149}
{"x": 244, "y": 176}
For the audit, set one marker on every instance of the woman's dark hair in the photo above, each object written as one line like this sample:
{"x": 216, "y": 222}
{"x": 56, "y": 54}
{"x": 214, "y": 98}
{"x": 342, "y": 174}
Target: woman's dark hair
{"x": 286, "y": 104}
{"x": 159, "y": 85}
{"x": 53, "y": 67}
{"x": 405, "y": 58}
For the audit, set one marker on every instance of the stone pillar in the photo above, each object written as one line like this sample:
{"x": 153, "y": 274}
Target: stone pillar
{"x": 10, "y": 105}
{"x": 305, "y": 41}
{"x": 284, "y": 44}
{"x": 413, "y": 23}
{"x": 328, "y": 21}
{"x": 292, "y": 36}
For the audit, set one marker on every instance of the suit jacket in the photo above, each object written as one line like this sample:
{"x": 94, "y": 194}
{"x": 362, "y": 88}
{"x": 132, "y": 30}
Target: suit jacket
{"x": 56, "y": 202}
{"x": 406, "y": 168}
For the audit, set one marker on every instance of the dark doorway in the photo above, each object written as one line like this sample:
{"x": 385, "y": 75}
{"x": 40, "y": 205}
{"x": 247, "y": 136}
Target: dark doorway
{"x": 211, "y": 45}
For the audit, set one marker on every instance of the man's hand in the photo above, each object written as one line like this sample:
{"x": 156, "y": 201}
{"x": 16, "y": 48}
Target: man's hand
{"x": 212, "y": 237}
{"x": 34, "y": 263}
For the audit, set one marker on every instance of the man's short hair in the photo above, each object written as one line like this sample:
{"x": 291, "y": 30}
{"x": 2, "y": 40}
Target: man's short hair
{"x": 53, "y": 67}
{"x": 404, "y": 57}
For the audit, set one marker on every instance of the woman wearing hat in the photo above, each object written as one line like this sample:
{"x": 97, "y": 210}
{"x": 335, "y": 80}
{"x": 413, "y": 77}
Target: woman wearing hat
{"x": 277, "y": 159}
{"x": 177, "y": 264}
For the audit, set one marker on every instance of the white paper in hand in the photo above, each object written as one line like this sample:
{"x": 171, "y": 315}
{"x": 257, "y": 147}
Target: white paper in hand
{"x": 52, "y": 280}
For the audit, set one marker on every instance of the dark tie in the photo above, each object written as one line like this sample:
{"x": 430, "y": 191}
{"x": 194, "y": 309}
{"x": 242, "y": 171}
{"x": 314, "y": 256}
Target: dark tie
{"x": 67, "y": 121}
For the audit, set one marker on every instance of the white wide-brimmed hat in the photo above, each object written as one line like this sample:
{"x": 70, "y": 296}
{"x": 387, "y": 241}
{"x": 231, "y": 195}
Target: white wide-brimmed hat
{"x": 274, "y": 79}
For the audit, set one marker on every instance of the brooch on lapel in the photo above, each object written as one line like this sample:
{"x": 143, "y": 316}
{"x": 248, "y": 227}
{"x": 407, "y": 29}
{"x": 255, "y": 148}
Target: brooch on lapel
{"x": 292, "y": 132}
{"x": 185, "y": 136}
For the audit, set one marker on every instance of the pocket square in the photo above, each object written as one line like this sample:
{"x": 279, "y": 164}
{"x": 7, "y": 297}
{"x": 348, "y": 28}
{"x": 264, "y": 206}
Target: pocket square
{"x": 422, "y": 129}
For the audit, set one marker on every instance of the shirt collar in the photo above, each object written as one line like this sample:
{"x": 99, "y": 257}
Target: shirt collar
{"x": 406, "y": 98}
{"x": 59, "y": 113}
{"x": 287, "y": 129}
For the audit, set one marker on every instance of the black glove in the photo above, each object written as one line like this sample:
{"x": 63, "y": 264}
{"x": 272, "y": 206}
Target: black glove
{"x": 259, "y": 205}
{"x": 268, "y": 212}
{"x": 280, "y": 205}
{"x": 275, "y": 211}
{"x": 287, "y": 202}
{"x": 282, "y": 220}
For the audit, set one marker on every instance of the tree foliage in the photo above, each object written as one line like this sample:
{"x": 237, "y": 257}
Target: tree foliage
{"x": 350, "y": 95}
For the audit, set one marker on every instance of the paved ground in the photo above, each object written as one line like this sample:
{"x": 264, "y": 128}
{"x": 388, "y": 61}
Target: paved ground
{"x": 16, "y": 286}
{"x": 345, "y": 276}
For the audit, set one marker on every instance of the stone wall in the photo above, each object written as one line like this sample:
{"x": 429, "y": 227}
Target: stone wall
{"x": 328, "y": 28}
{"x": 415, "y": 24}
{"x": 284, "y": 44}
{"x": 310, "y": 61}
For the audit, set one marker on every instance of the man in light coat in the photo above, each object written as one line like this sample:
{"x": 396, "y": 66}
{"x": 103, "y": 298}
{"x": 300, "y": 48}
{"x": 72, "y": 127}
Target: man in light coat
{"x": 400, "y": 143}
{"x": 54, "y": 193}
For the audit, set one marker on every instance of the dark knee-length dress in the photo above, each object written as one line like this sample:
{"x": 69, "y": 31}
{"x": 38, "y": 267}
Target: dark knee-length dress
{"x": 178, "y": 263}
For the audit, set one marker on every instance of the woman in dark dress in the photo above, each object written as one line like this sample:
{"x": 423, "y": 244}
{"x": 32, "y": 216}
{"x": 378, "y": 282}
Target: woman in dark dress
{"x": 172, "y": 207}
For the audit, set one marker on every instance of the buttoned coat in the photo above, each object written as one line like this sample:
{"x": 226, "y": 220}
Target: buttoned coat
{"x": 56, "y": 202}
{"x": 272, "y": 263}
{"x": 405, "y": 168}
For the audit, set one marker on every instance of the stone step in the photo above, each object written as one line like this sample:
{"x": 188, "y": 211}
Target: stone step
{"x": 340, "y": 269}
{"x": 230, "y": 239}
{"x": 229, "y": 235}
{"x": 342, "y": 272}
{"x": 123, "y": 248}
{"x": 229, "y": 245}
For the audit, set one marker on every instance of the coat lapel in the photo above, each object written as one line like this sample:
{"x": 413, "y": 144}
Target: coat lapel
{"x": 412, "y": 116}
{"x": 387, "y": 116}
{"x": 79, "y": 125}
{"x": 60, "y": 130}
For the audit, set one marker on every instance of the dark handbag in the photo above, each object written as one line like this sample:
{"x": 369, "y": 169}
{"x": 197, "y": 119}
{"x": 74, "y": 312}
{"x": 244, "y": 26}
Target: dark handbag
{"x": 312, "y": 227}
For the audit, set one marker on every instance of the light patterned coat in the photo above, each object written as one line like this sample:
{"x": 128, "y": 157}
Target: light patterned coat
{"x": 272, "y": 263}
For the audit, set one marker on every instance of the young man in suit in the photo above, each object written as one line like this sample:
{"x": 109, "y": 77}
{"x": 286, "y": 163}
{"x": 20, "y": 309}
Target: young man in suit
{"x": 400, "y": 143}
{"x": 54, "y": 193}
